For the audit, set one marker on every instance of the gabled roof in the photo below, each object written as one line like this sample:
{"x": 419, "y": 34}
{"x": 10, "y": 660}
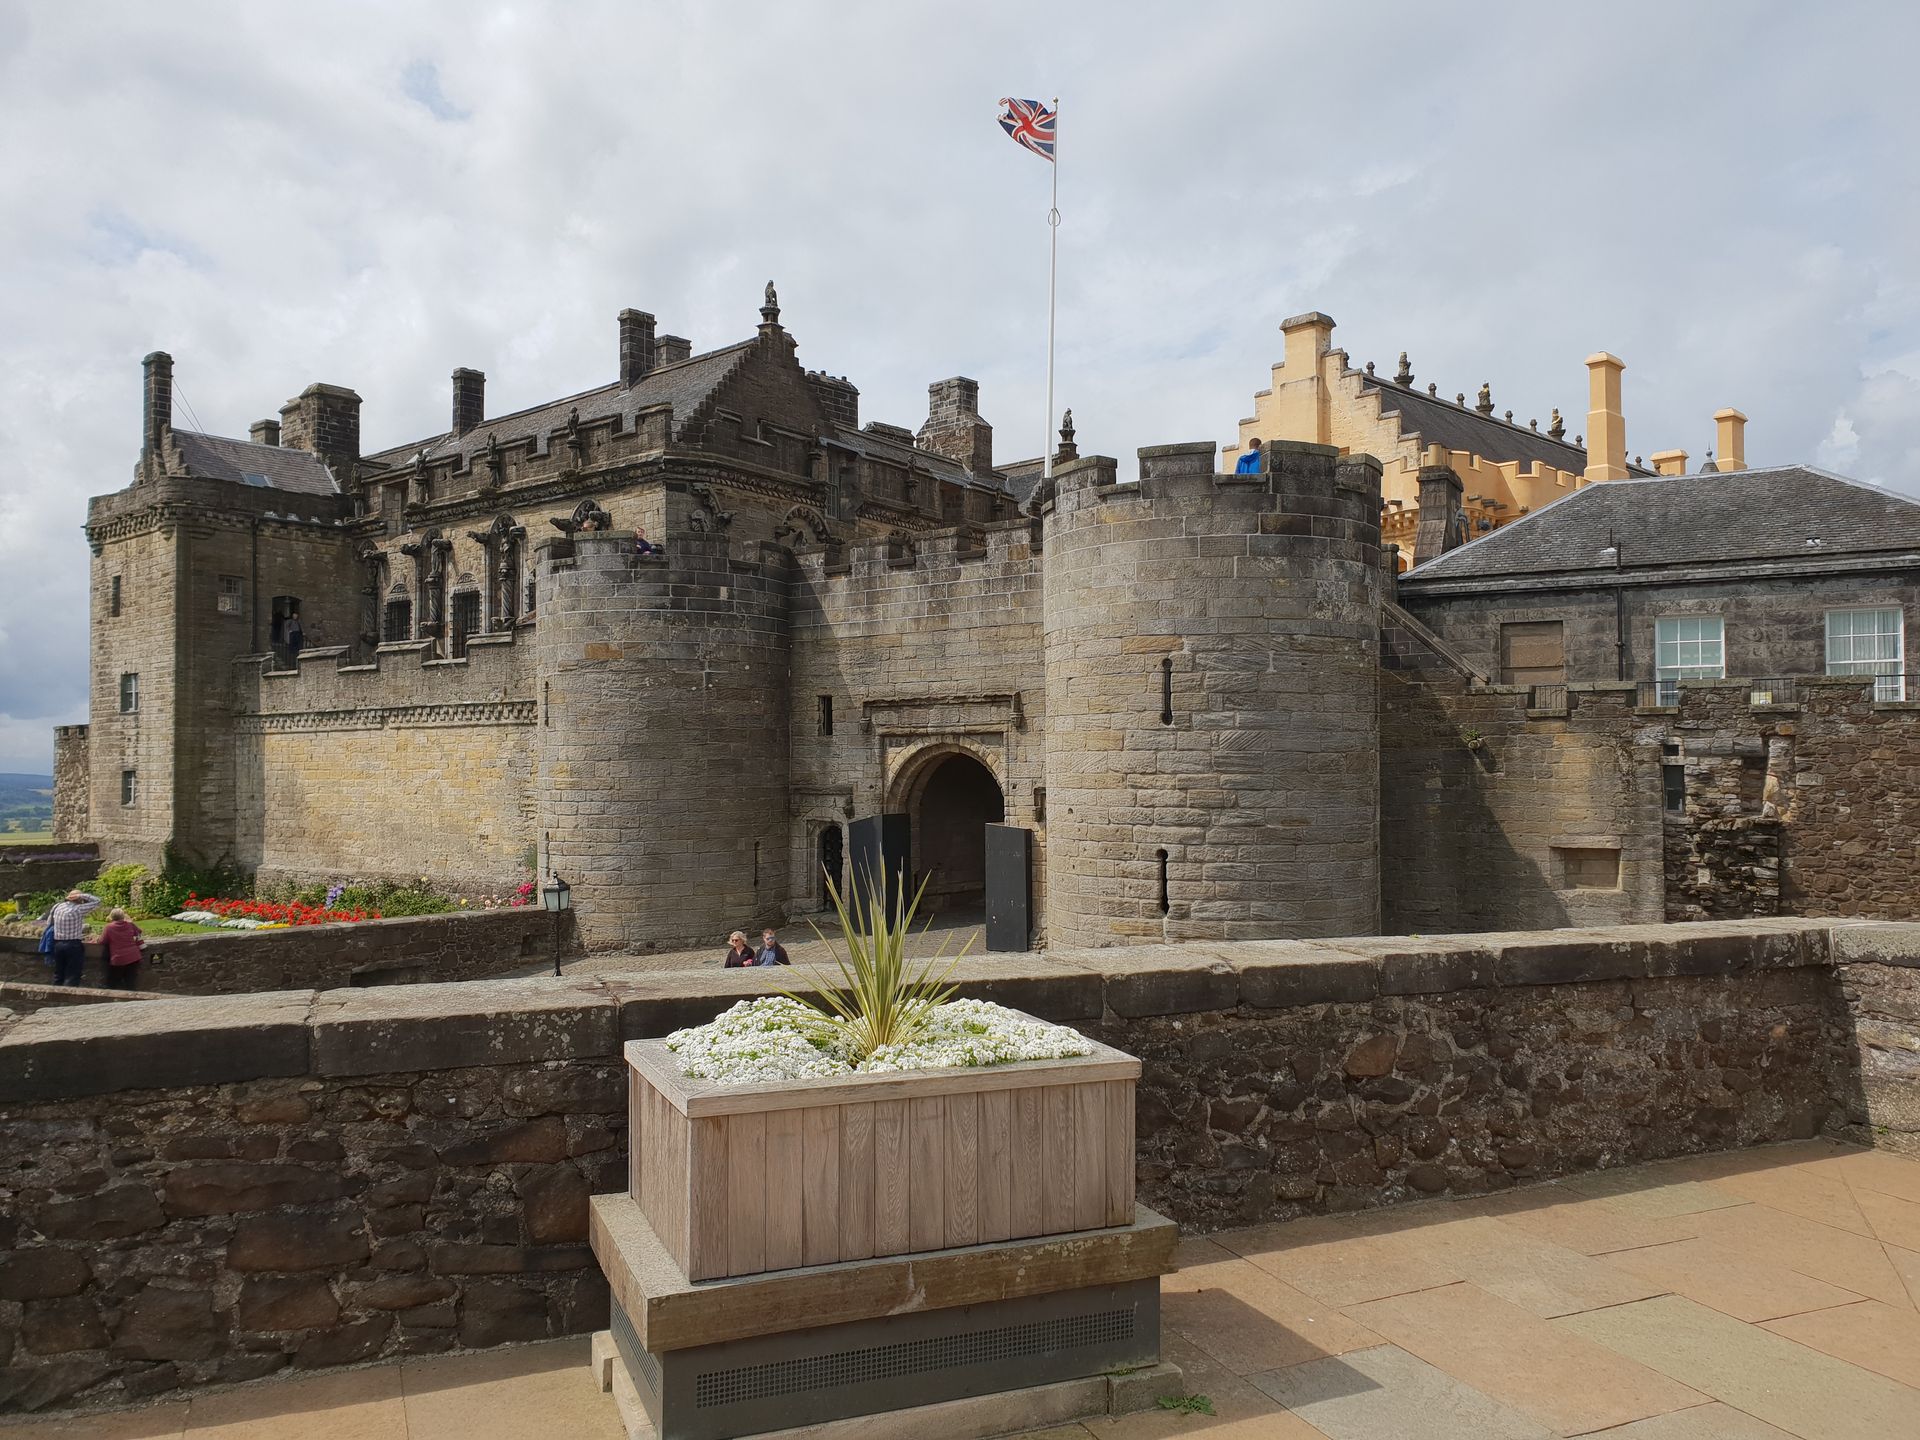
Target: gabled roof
{"x": 1462, "y": 428}
{"x": 1787, "y": 512}
{"x": 271, "y": 466}
{"x": 685, "y": 385}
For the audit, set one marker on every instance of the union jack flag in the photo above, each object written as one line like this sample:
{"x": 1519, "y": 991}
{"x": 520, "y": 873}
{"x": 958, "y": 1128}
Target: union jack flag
{"x": 1030, "y": 123}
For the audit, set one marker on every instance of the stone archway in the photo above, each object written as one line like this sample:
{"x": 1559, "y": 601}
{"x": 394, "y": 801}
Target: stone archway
{"x": 951, "y": 795}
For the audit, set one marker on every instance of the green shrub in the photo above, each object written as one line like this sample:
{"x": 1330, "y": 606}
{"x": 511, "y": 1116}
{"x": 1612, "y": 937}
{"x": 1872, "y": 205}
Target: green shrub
{"x": 391, "y": 899}
{"x": 114, "y": 884}
{"x": 36, "y": 905}
{"x": 167, "y": 892}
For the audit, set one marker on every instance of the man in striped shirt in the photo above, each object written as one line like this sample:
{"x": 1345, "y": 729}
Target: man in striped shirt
{"x": 69, "y": 936}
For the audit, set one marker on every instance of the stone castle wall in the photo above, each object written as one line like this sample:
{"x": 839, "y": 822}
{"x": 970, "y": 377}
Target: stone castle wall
{"x": 404, "y": 767}
{"x": 1211, "y": 647}
{"x": 217, "y": 1190}
{"x": 925, "y": 648}
{"x": 402, "y": 950}
{"x": 72, "y": 806}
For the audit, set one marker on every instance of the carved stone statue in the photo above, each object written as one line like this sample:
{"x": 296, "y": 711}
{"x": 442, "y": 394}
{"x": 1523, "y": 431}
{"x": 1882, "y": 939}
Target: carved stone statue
{"x": 496, "y": 467}
{"x": 587, "y": 515}
{"x": 1485, "y": 405}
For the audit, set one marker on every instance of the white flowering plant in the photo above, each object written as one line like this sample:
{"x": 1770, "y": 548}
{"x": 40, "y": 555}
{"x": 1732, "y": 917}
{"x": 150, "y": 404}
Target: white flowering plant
{"x": 886, "y": 1013}
{"x": 778, "y": 1038}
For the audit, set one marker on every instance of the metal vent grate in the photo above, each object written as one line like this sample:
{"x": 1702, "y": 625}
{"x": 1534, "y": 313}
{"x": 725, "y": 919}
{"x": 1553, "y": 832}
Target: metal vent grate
{"x": 641, "y": 1361}
{"x": 912, "y": 1357}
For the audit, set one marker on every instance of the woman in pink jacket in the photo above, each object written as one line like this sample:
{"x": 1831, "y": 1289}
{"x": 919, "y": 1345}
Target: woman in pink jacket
{"x": 122, "y": 940}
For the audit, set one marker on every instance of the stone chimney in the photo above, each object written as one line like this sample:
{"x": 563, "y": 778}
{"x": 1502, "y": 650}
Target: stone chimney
{"x": 156, "y": 406}
{"x": 1731, "y": 452}
{"x": 672, "y": 349}
{"x": 954, "y": 427}
{"x": 1441, "y": 526}
{"x": 1606, "y": 427}
{"x": 265, "y": 432}
{"x": 1670, "y": 462}
{"x": 324, "y": 419}
{"x": 1308, "y": 337}
{"x": 639, "y": 351}
{"x": 838, "y": 397}
{"x": 469, "y": 399}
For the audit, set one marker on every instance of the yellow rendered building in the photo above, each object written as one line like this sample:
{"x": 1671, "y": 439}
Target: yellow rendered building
{"x": 1505, "y": 469}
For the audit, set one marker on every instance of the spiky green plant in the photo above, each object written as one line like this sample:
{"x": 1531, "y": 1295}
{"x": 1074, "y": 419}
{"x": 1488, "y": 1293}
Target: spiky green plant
{"x": 882, "y": 998}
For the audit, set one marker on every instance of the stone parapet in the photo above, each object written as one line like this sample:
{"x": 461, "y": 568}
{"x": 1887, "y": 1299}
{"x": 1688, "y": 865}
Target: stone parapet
{"x": 226, "y": 1187}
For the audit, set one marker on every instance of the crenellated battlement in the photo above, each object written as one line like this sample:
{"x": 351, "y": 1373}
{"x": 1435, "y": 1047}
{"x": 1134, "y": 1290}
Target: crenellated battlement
{"x": 404, "y": 683}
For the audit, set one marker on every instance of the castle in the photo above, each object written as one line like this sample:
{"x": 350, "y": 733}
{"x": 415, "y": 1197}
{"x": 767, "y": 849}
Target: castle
{"x": 459, "y": 659}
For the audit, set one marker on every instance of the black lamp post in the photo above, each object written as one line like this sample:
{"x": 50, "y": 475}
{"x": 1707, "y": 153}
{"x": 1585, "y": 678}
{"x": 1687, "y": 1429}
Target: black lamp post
{"x": 556, "y": 895}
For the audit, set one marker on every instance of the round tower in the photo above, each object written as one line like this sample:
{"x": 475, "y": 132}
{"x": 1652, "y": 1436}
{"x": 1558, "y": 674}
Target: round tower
{"x": 661, "y": 792}
{"x": 1212, "y": 652}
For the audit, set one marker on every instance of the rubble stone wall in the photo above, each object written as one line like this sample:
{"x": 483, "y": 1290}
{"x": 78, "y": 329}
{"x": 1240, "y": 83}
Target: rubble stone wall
{"x": 202, "y": 1191}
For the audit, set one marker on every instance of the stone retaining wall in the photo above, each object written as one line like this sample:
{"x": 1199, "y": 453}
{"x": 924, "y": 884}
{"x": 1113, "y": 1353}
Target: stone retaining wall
{"x": 211, "y": 1190}
{"x": 462, "y": 946}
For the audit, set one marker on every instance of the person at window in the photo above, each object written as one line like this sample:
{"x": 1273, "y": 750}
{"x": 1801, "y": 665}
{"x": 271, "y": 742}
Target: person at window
{"x": 122, "y": 940}
{"x": 295, "y": 636}
{"x": 1250, "y": 463}
{"x": 644, "y": 546}
{"x": 739, "y": 953}
{"x": 69, "y": 923}
{"x": 771, "y": 951}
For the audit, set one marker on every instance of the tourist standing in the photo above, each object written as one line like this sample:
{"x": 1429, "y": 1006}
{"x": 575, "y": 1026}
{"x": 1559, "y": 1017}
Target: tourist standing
{"x": 1249, "y": 463}
{"x": 739, "y": 953}
{"x": 70, "y": 934}
{"x": 122, "y": 941}
{"x": 771, "y": 951}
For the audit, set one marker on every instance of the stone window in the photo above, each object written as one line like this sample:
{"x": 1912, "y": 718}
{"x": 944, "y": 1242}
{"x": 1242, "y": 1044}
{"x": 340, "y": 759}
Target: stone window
{"x": 286, "y": 611}
{"x": 1533, "y": 652}
{"x": 466, "y": 620}
{"x": 113, "y": 603}
{"x": 1166, "y": 901}
{"x": 826, "y": 715}
{"x": 129, "y": 693}
{"x": 1587, "y": 867}
{"x": 129, "y": 788}
{"x": 393, "y": 508}
{"x": 1673, "y": 788}
{"x": 1868, "y": 642}
{"x": 397, "y": 621}
{"x": 1688, "y": 647}
{"x": 228, "y": 602}
{"x": 1166, "y": 692}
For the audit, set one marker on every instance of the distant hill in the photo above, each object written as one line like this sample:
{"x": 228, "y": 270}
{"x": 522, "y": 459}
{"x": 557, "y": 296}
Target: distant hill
{"x": 26, "y": 802}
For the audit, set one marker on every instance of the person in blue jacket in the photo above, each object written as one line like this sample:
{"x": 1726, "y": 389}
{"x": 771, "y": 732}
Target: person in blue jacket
{"x": 1249, "y": 463}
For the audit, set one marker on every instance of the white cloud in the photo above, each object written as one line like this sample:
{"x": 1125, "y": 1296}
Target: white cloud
{"x": 376, "y": 196}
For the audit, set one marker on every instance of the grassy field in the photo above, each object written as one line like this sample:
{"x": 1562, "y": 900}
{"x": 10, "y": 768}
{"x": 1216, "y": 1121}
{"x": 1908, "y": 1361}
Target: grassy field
{"x": 26, "y": 837}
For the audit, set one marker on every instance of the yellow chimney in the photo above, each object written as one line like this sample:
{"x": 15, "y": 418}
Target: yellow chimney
{"x": 1606, "y": 427}
{"x": 1309, "y": 336}
{"x": 1732, "y": 451}
{"x": 1670, "y": 462}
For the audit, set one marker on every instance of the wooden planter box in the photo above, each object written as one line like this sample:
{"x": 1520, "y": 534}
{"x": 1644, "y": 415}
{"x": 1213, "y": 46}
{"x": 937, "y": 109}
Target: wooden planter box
{"x": 738, "y": 1179}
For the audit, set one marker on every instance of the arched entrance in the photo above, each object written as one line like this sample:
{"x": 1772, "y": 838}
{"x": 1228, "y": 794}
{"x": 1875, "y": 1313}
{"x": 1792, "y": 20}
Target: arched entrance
{"x": 831, "y": 863}
{"x": 952, "y": 803}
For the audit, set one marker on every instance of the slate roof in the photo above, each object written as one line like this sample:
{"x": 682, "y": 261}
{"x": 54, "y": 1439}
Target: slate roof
{"x": 877, "y": 445}
{"x": 272, "y": 466}
{"x": 684, "y": 385}
{"x": 1787, "y": 512}
{"x": 1461, "y": 427}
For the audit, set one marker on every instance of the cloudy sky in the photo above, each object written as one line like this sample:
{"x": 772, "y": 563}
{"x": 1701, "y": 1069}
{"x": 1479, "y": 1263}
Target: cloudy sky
{"x": 1723, "y": 194}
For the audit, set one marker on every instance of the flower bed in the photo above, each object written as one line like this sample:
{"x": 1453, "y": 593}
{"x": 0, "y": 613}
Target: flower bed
{"x": 777, "y": 1038}
{"x": 265, "y": 914}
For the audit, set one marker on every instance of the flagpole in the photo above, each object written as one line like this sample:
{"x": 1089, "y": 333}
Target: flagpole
{"x": 1053, "y": 266}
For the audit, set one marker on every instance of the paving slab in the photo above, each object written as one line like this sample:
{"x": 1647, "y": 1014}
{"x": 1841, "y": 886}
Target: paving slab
{"x": 1565, "y": 1382}
{"x": 1808, "y": 1191}
{"x": 507, "y": 1394}
{"x": 1368, "y": 1267}
{"x": 1250, "y": 1320}
{"x": 1871, "y": 1335}
{"x": 1537, "y": 1275}
{"x": 1702, "y": 1422}
{"x": 152, "y": 1422}
{"x": 1730, "y": 1281}
{"x": 1628, "y": 1193}
{"x": 1881, "y": 1172}
{"x": 1589, "y": 1226}
{"x": 1854, "y": 1262}
{"x": 1387, "y": 1394}
{"x": 1894, "y": 1221}
{"x": 345, "y": 1405}
{"x": 1240, "y": 1411}
{"x": 1809, "y": 1395}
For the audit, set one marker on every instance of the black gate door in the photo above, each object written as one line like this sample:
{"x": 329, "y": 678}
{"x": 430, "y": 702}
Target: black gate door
{"x": 880, "y": 847}
{"x": 1009, "y": 887}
